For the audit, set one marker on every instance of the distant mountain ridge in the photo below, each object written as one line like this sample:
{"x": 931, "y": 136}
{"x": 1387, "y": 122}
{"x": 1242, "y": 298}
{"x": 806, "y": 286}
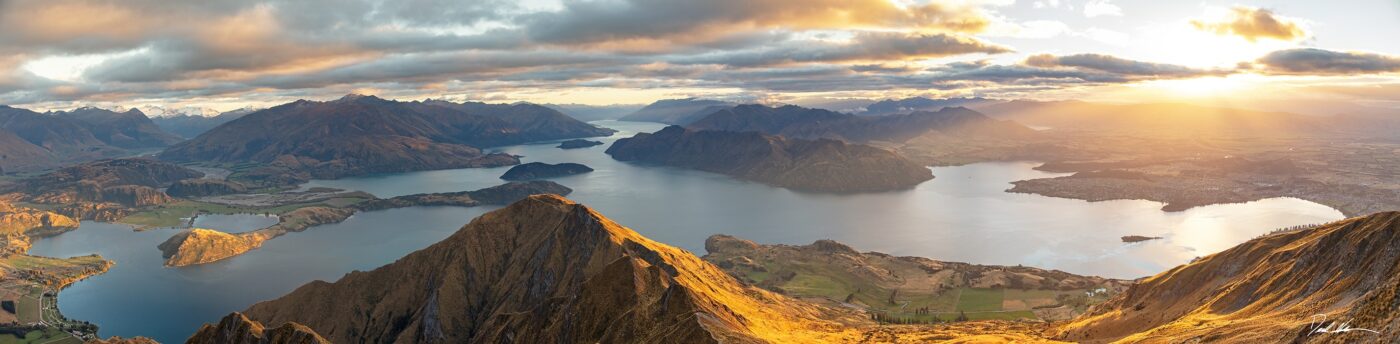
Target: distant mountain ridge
{"x": 677, "y": 111}
{"x": 32, "y": 141}
{"x": 190, "y": 126}
{"x": 130, "y": 129}
{"x": 914, "y": 104}
{"x": 804, "y": 123}
{"x": 358, "y": 135}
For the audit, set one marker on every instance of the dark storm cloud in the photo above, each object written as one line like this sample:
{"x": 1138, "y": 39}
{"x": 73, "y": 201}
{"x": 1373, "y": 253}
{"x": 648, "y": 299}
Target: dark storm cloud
{"x": 1319, "y": 61}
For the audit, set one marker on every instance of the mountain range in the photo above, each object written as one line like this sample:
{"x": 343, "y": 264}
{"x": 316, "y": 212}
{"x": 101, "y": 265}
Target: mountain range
{"x": 358, "y": 135}
{"x": 677, "y": 111}
{"x": 191, "y": 125}
{"x": 915, "y": 104}
{"x": 32, "y": 141}
{"x": 805, "y": 123}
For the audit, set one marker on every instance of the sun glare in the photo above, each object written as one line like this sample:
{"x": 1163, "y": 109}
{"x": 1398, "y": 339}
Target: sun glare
{"x": 1199, "y": 87}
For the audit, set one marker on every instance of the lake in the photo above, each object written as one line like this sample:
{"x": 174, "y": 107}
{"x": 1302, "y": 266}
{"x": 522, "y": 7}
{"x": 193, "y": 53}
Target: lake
{"x": 962, "y": 215}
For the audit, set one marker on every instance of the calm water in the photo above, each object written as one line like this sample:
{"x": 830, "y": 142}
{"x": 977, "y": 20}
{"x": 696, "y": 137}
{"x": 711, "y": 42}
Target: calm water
{"x": 234, "y": 223}
{"x": 962, "y": 215}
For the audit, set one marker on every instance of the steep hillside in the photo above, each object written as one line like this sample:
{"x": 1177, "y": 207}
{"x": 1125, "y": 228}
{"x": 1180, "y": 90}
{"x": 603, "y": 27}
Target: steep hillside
{"x": 812, "y": 165}
{"x": 546, "y": 269}
{"x": 799, "y": 122}
{"x": 359, "y": 135}
{"x": 130, "y": 129}
{"x": 1279, "y": 288}
{"x": 18, "y": 155}
{"x": 677, "y": 111}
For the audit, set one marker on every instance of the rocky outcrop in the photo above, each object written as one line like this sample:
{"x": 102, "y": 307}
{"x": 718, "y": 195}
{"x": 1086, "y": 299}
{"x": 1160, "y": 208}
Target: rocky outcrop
{"x": 17, "y": 220}
{"x": 578, "y": 143}
{"x": 199, "y": 246}
{"x": 359, "y": 135}
{"x": 235, "y": 328}
{"x": 1279, "y": 288}
{"x": 191, "y": 188}
{"x": 18, "y": 224}
{"x": 539, "y": 170}
{"x": 130, "y": 182}
{"x": 808, "y": 165}
{"x": 500, "y": 195}
{"x": 546, "y": 270}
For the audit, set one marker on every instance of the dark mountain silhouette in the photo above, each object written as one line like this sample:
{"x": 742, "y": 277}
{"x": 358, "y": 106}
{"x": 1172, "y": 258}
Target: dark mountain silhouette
{"x": 811, "y": 165}
{"x": 130, "y": 129}
{"x": 359, "y": 135}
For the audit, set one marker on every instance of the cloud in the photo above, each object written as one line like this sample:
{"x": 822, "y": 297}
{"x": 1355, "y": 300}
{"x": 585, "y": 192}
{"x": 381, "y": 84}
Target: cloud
{"x": 1318, "y": 61}
{"x": 1095, "y": 8}
{"x": 688, "y": 21}
{"x": 1253, "y": 24}
{"x": 863, "y": 47}
{"x": 1117, "y": 66}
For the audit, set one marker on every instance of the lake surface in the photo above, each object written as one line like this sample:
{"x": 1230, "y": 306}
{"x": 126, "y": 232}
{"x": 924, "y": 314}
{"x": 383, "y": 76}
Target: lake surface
{"x": 962, "y": 215}
{"x": 234, "y": 223}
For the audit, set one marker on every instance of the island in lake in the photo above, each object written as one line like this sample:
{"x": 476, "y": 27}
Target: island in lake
{"x": 809, "y": 165}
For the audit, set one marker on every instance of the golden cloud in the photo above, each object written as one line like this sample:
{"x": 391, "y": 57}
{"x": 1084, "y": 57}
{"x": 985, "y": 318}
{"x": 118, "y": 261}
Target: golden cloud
{"x": 1252, "y": 24}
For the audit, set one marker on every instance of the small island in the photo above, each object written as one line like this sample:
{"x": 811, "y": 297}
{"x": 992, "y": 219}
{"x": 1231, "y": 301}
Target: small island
{"x": 539, "y": 170}
{"x": 1138, "y": 238}
{"x": 578, "y": 143}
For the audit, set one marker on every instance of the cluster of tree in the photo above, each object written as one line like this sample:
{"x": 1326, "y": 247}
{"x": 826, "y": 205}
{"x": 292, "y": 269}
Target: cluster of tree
{"x": 883, "y": 318}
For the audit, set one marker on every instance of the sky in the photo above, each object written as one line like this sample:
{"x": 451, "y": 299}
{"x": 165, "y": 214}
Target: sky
{"x": 1305, "y": 56}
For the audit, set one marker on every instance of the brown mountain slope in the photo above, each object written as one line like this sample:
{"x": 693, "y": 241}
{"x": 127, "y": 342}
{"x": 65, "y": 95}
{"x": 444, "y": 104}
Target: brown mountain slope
{"x": 809, "y": 165}
{"x": 1267, "y": 290}
{"x": 130, "y": 129}
{"x": 547, "y": 270}
{"x": 17, "y": 155}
